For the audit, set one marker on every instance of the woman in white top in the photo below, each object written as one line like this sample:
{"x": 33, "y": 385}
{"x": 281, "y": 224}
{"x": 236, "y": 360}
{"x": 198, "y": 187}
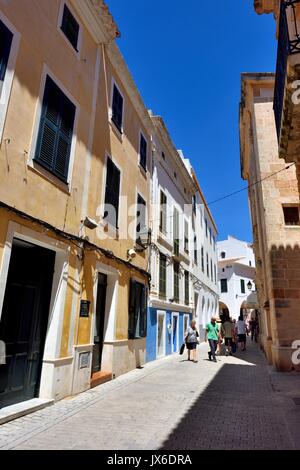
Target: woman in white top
{"x": 191, "y": 340}
{"x": 241, "y": 331}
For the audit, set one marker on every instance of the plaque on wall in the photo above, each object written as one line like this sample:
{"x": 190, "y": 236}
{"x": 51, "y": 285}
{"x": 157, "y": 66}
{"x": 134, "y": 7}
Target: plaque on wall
{"x": 84, "y": 360}
{"x": 84, "y": 308}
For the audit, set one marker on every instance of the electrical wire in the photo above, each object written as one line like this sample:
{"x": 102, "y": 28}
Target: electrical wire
{"x": 246, "y": 188}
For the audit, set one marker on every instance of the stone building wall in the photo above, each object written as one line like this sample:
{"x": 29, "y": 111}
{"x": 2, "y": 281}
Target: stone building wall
{"x": 276, "y": 244}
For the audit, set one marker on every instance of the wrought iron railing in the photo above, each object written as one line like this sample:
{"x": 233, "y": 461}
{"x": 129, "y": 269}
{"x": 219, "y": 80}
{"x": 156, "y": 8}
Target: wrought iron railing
{"x": 288, "y": 44}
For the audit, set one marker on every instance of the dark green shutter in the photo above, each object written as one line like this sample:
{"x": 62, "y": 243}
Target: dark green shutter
{"x": 176, "y": 231}
{"x": 6, "y": 37}
{"x": 70, "y": 27}
{"x": 56, "y": 131}
{"x": 117, "y": 108}
{"x": 176, "y": 281}
{"x": 143, "y": 152}
{"x": 132, "y": 309}
{"x": 112, "y": 191}
{"x": 162, "y": 275}
{"x": 143, "y": 311}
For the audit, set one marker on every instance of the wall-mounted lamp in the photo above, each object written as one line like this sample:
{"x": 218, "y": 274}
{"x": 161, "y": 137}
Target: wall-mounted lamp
{"x": 144, "y": 238}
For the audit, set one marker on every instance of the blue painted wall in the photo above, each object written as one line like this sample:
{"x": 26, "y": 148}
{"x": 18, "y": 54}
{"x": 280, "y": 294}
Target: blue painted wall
{"x": 152, "y": 332}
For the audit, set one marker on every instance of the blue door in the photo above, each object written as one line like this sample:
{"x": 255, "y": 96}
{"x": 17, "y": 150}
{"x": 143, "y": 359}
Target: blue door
{"x": 175, "y": 328}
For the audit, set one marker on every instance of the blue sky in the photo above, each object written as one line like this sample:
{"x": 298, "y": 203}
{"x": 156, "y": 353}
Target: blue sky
{"x": 186, "y": 59}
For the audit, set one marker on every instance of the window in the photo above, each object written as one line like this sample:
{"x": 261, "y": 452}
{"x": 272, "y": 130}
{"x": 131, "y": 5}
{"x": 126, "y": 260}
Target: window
{"x": 207, "y": 266}
{"x": 201, "y": 216}
{"x": 137, "y": 324}
{"x": 176, "y": 281}
{"x": 163, "y": 212}
{"x": 223, "y": 255}
{"x": 211, "y": 271}
{"x": 55, "y": 131}
{"x": 175, "y": 175}
{"x": 214, "y": 242}
{"x": 186, "y": 236}
{"x": 162, "y": 275}
{"x": 206, "y": 229}
{"x": 224, "y": 287}
{"x": 176, "y": 231}
{"x": 140, "y": 216}
{"x": 117, "y": 108}
{"x": 112, "y": 193}
{"x": 163, "y": 156}
{"x": 186, "y": 288}
{"x": 70, "y": 27}
{"x": 194, "y": 202}
{"x": 143, "y": 152}
{"x": 215, "y": 271}
{"x": 291, "y": 215}
{"x": 243, "y": 290}
{"x": 195, "y": 250}
{"x": 202, "y": 259}
{"x": 250, "y": 263}
{"x": 210, "y": 237}
{"x": 6, "y": 38}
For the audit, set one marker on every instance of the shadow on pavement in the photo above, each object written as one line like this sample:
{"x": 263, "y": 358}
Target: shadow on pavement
{"x": 235, "y": 411}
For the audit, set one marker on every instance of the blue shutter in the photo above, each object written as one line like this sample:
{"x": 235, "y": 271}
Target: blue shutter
{"x": 6, "y": 37}
{"x": 56, "y": 131}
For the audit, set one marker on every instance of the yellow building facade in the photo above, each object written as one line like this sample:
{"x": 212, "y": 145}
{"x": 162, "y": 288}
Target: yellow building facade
{"x": 75, "y": 161}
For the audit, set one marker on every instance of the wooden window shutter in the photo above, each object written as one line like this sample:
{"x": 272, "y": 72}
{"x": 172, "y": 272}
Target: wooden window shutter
{"x": 143, "y": 152}
{"x": 6, "y": 38}
{"x": 70, "y": 27}
{"x": 143, "y": 311}
{"x": 132, "y": 309}
{"x": 117, "y": 108}
{"x": 112, "y": 191}
{"x": 56, "y": 131}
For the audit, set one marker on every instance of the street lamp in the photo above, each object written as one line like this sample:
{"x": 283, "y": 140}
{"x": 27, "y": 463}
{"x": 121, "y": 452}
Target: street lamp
{"x": 144, "y": 239}
{"x": 249, "y": 285}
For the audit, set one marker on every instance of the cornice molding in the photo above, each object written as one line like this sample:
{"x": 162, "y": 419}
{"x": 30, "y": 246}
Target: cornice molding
{"x": 266, "y": 6}
{"x": 97, "y": 19}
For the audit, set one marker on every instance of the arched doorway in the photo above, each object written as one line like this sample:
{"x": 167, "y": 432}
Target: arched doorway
{"x": 223, "y": 311}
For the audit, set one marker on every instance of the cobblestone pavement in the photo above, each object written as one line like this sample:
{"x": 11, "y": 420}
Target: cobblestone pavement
{"x": 236, "y": 403}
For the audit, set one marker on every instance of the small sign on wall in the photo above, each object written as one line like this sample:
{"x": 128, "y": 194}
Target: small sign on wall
{"x": 84, "y": 308}
{"x": 84, "y": 360}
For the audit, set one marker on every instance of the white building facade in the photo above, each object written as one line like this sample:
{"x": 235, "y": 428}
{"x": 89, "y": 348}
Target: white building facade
{"x": 182, "y": 229}
{"x": 236, "y": 275}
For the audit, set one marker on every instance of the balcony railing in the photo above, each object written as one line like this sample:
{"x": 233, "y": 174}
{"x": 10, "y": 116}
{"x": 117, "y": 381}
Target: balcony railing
{"x": 288, "y": 44}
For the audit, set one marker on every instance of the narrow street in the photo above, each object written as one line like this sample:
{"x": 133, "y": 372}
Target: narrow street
{"x": 238, "y": 403}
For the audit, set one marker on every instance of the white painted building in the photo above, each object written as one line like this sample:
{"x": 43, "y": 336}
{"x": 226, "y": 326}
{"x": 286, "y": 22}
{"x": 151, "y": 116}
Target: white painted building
{"x": 183, "y": 283}
{"x": 236, "y": 275}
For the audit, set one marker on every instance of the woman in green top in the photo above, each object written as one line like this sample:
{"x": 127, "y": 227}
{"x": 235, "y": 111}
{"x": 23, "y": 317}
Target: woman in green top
{"x": 212, "y": 335}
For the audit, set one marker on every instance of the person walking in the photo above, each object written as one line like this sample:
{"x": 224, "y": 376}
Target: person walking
{"x": 253, "y": 326}
{"x": 227, "y": 332}
{"x": 241, "y": 331}
{"x": 191, "y": 341}
{"x": 212, "y": 335}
